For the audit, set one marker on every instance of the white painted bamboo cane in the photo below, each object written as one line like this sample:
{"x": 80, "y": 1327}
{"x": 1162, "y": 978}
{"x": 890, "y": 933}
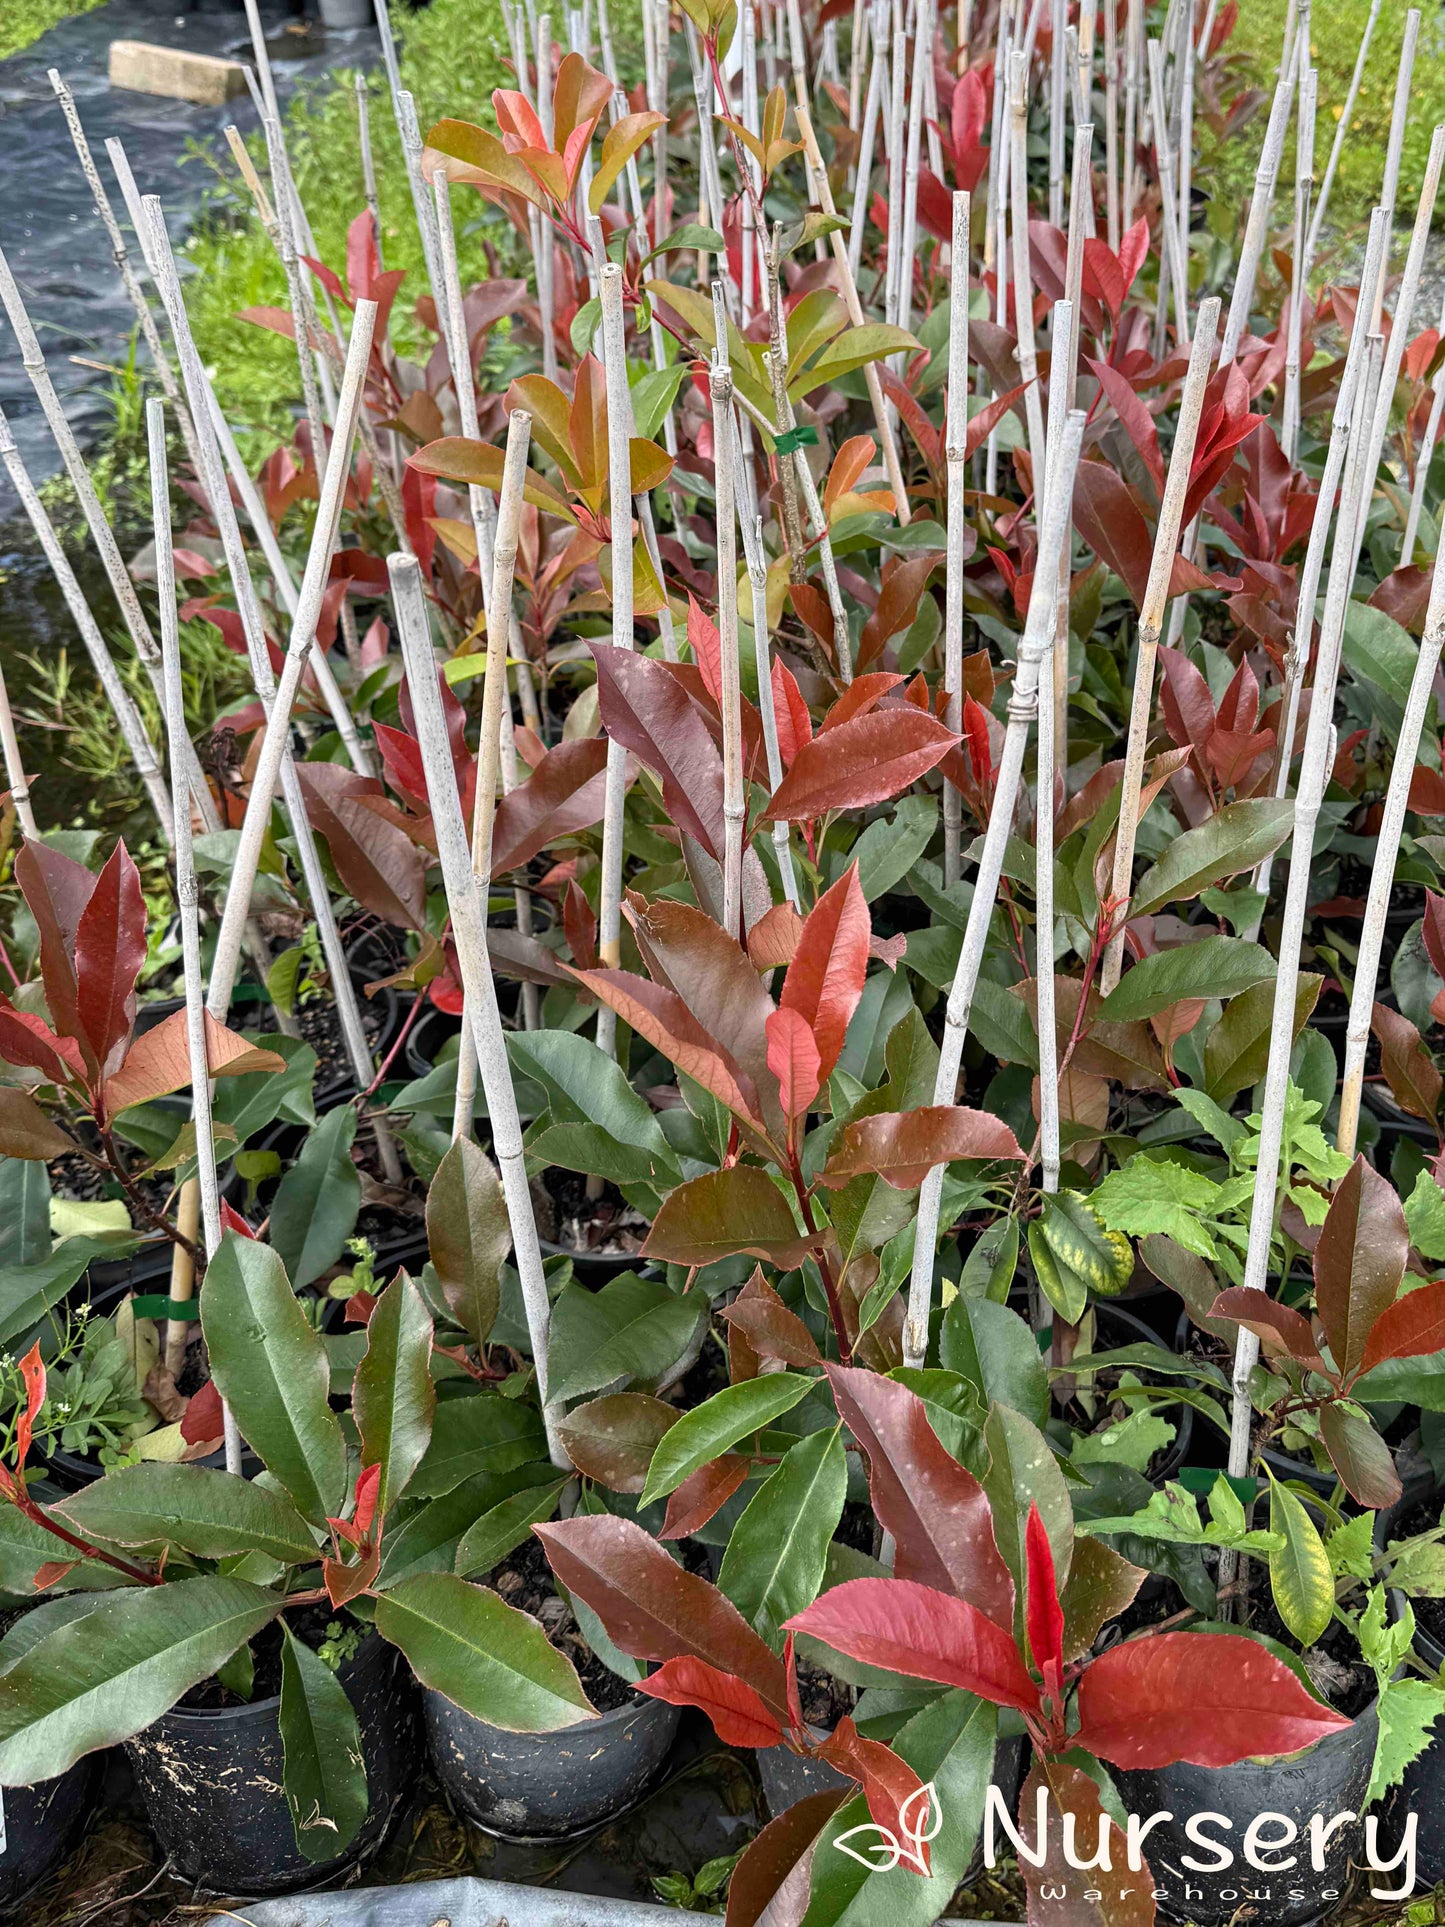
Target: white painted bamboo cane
{"x": 1168, "y": 202}
{"x": 922, "y": 52}
{"x": 757, "y": 567}
{"x": 1058, "y": 107}
{"x": 1342, "y": 128}
{"x": 1133, "y": 64}
{"x": 469, "y": 933}
{"x": 1020, "y": 260}
{"x": 1395, "y": 145}
{"x": 1387, "y": 851}
{"x": 1314, "y": 773}
{"x": 15, "y": 777}
{"x": 1065, "y": 368}
{"x": 275, "y": 737}
{"x": 1111, "y": 128}
{"x": 956, "y": 467}
{"x": 619, "y": 484}
{"x": 1422, "y": 460}
{"x": 1256, "y": 229}
{"x": 1034, "y": 647}
{"x": 855, "y": 315}
{"x": 734, "y": 798}
{"x": 1047, "y": 1023}
{"x": 1151, "y": 622}
{"x": 995, "y": 240}
{"x": 119, "y": 254}
{"x": 132, "y": 729}
{"x": 1299, "y": 289}
{"x": 872, "y": 113}
{"x": 897, "y": 163}
{"x": 496, "y": 717}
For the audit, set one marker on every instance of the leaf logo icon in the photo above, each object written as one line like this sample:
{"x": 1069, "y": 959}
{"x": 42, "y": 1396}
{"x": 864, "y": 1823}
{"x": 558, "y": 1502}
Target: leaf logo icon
{"x": 880, "y": 1850}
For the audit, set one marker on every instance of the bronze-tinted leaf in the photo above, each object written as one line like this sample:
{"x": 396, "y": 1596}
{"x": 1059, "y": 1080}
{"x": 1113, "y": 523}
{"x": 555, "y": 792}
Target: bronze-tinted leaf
{"x": 903, "y": 1146}
{"x": 1359, "y": 1261}
{"x": 613, "y": 1439}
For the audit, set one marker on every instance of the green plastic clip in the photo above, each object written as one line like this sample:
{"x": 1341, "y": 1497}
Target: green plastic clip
{"x": 800, "y": 437}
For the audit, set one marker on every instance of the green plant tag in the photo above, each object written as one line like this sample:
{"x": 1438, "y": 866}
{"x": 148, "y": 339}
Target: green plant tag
{"x": 155, "y": 1305}
{"x": 793, "y": 439}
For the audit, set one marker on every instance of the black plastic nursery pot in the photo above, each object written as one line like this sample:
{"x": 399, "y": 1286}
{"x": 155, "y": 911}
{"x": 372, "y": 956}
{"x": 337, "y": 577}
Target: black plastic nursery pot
{"x": 211, "y": 1782}
{"x": 40, "y": 1823}
{"x": 548, "y": 1786}
{"x": 1329, "y": 1779}
{"x": 788, "y": 1777}
{"x": 1422, "y": 1790}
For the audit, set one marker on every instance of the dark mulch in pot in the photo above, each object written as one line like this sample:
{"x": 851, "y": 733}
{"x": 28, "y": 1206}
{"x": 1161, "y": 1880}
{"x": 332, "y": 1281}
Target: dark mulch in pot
{"x": 71, "y": 1177}
{"x": 320, "y": 1027}
{"x": 308, "y": 1623}
{"x": 524, "y": 1580}
{"x": 825, "y": 1700}
{"x": 605, "y": 1227}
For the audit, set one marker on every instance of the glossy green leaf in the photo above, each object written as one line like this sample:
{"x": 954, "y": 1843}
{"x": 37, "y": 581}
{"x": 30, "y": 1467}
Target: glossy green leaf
{"x": 494, "y": 1662}
{"x": 314, "y": 1211}
{"x": 1236, "y": 1052}
{"x": 633, "y": 1328}
{"x": 995, "y": 1350}
{"x": 193, "y": 1508}
{"x": 717, "y": 1425}
{"x": 469, "y": 1235}
{"x": 428, "y": 1539}
{"x": 1022, "y": 1472}
{"x": 1211, "y": 967}
{"x": 324, "y": 1774}
{"x": 479, "y": 1432}
{"x": 486, "y": 1542}
{"x": 1237, "y": 838}
{"x": 269, "y": 1364}
{"x": 102, "y": 1678}
{"x": 773, "y": 1566}
{"x": 1299, "y": 1572}
{"x": 394, "y": 1399}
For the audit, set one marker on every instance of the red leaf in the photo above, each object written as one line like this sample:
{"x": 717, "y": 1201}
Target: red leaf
{"x": 771, "y": 1880}
{"x": 32, "y": 1373}
{"x": 579, "y": 923}
{"x": 1044, "y": 1614}
{"x": 982, "y": 425}
{"x": 564, "y": 794}
{"x": 1138, "y": 422}
{"x": 975, "y": 735}
{"x": 368, "y": 1486}
{"x": 869, "y": 760}
{"x": 1175, "y": 1697}
{"x": 202, "y": 1420}
{"x": 56, "y": 890}
{"x": 1279, "y": 1328}
{"x": 665, "y": 1021}
{"x": 773, "y": 939}
{"x": 375, "y": 859}
{"x": 902, "y": 1147}
{"x": 700, "y": 1496}
{"x": 1185, "y": 700}
{"x": 1134, "y": 251}
{"x": 1412, "y": 1327}
{"x": 1114, "y": 1892}
{"x": 1112, "y": 523}
{"x": 28, "y": 1039}
{"x": 1434, "y": 932}
{"x": 861, "y": 695}
{"x": 647, "y": 709}
{"x": 1359, "y": 1262}
{"x": 896, "y": 1798}
{"x": 401, "y": 758}
{"x": 1408, "y": 1066}
{"x": 936, "y": 1511}
{"x": 771, "y": 1330}
{"x": 912, "y": 1629}
{"x": 739, "y": 1715}
{"x": 231, "y": 1220}
{"x": 655, "y": 1610}
{"x": 1364, "y": 1462}
{"x": 825, "y": 978}
{"x": 795, "y": 724}
{"x": 793, "y": 1060}
{"x": 706, "y": 647}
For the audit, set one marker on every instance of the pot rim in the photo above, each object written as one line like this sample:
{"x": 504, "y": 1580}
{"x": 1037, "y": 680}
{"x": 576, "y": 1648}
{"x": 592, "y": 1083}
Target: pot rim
{"x": 254, "y": 1709}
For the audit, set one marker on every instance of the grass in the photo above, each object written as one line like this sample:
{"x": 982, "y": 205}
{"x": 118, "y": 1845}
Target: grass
{"x": 1226, "y": 171}
{"x": 23, "y": 21}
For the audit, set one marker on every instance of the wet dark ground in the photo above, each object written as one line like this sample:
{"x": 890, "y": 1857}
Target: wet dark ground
{"x": 49, "y": 230}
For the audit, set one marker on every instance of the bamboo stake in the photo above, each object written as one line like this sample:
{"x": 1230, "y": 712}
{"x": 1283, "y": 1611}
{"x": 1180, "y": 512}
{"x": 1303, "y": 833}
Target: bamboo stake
{"x": 1034, "y": 647}
{"x": 132, "y": 729}
{"x": 272, "y": 751}
{"x": 1019, "y": 249}
{"x": 1111, "y": 125}
{"x": 15, "y": 776}
{"x": 1314, "y": 773}
{"x": 619, "y": 484}
{"x": 280, "y": 570}
{"x": 165, "y": 375}
{"x": 1064, "y": 368}
{"x": 1133, "y": 59}
{"x": 1058, "y": 107}
{"x": 469, "y": 933}
{"x": 1257, "y": 226}
{"x": 995, "y": 240}
{"x": 734, "y": 800}
{"x": 956, "y": 431}
{"x": 922, "y": 53}
{"x": 894, "y": 138}
{"x": 1297, "y": 656}
{"x": 752, "y": 533}
{"x": 872, "y": 112}
{"x": 496, "y": 719}
{"x": 1399, "y": 114}
{"x": 103, "y": 537}
{"x": 1151, "y": 622}
{"x": 1047, "y": 1022}
{"x": 1387, "y": 851}
{"x": 1304, "y": 166}
{"x": 1184, "y": 205}
{"x": 855, "y": 315}
{"x": 1317, "y": 220}
{"x": 1168, "y": 203}
{"x": 187, "y": 890}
